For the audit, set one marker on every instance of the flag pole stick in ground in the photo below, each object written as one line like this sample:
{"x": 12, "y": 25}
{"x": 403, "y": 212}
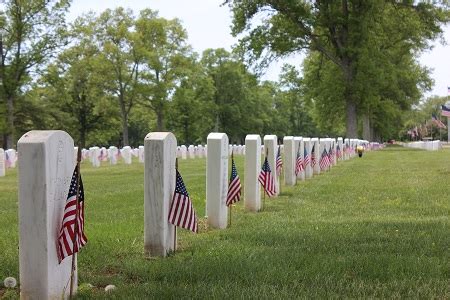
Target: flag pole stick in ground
{"x": 175, "y": 229}
{"x": 229, "y": 215}
{"x": 72, "y": 273}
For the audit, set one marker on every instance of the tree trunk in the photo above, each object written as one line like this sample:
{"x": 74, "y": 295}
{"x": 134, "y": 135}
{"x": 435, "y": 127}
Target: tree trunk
{"x": 351, "y": 120}
{"x": 159, "y": 119}
{"x": 10, "y": 122}
{"x": 216, "y": 126}
{"x": 124, "y": 120}
{"x": 366, "y": 127}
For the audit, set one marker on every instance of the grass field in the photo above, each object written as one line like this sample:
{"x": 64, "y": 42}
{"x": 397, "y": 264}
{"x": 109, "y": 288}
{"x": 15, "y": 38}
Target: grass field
{"x": 378, "y": 227}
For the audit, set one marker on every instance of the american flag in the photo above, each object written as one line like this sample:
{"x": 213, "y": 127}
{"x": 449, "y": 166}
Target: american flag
{"x": 445, "y": 111}
{"x": 338, "y": 152}
{"x": 437, "y": 121}
{"x": 266, "y": 179}
{"x": 7, "y": 161}
{"x": 324, "y": 162}
{"x": 234, "y": 188}
{"x": 331, "y": 154}
{"x": 279, "y": 166}
{"x": 71, "y": 234}
{"x": 102, "y": 155}
{"x": 299, "y": 162}
{"x": 181, "y": 212}
{"x": 313, "y": 156}
{"x": 306, "y": 159}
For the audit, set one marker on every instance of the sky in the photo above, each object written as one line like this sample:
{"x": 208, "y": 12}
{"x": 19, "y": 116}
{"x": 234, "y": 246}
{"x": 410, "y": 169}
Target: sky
{"x": 208, "y": 26}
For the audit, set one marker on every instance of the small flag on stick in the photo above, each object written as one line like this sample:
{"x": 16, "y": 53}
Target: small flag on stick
{"x": 71, "y": 234}
{"x": 279, "y": 164}
{"x": 181, "y": 212}
{"x": 313, "y": 156}
{"x": 306, "y": 159}
{"x": 234, "y": 187}
{"x": 266, "y": 179}
{"x": 299, "y": 165}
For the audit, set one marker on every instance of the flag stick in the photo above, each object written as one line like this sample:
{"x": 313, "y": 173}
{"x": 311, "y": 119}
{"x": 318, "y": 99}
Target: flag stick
{"x": 72, "y": 273}
{"x": 175, "y": 227}
{"x": 229, "y": 215}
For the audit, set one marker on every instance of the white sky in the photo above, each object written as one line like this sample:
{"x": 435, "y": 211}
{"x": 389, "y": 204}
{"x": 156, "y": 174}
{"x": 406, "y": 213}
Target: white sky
{"x": 208, "y": 26}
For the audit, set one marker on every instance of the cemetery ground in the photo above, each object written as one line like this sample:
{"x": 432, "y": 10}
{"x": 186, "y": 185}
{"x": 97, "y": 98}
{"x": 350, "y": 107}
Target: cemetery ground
{"x": 376, "y": 226}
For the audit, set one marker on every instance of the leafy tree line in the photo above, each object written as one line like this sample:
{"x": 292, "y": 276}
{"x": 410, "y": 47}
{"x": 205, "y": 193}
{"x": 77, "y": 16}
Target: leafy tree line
{"x": 361, "y": 68}
{"x": 110, "y": 78}
{"x": 113, "y": 77}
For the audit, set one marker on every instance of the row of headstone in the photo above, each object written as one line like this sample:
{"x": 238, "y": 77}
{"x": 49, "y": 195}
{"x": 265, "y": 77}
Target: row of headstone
{"x": 45, "y": 171}
{"x": 425, "y": 145}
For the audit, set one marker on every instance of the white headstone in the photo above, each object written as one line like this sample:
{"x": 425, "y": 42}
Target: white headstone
{"x": 191, "y": 151}
{"x": 141, "y": 154}
{"x": 347, "y": 149}
{"x": 289, "y": 160}
{"x": 271, "y": 147}
{"x": 11, "y": 157}
{"x": 2, "y": 163}
{"x": 126, "y": 155}
{"x": 252, "y": 168}
{"x": 45, "y": 171}
{"x": 112, "y": 155}
{"x": 340, "y": 143}
{"x": 183, "y": 152}
{"x": 200, "y": 151}
{"x": 216, "y": 180}
{"x": 159, "y": 185}
{"x": 94, "y": 152}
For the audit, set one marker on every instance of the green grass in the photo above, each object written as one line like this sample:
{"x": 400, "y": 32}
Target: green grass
{"x": 374, "y": 227}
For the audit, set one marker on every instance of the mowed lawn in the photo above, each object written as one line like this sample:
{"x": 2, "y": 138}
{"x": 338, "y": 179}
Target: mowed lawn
{"x": 376, "y": 226}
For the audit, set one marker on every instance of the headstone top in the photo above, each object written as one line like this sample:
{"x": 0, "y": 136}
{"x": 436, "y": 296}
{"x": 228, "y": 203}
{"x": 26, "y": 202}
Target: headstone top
{"x": 157, "y": 135}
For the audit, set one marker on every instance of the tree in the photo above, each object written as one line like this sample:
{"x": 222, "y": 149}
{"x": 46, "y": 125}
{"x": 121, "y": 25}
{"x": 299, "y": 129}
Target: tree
{"x": 191, "y": 111}
{"x": 32, "y": 32}
{"x": 119, "y": 60}
{"x": 73, "y": 87}
{"x": 163, "y": 49}
{"x": 338, "y": 30}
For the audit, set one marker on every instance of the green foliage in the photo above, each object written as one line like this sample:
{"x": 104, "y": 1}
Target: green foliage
{"x": 367, "y": 50}
{"x": 362, "y": 230}
{"x": 31, "y": 33}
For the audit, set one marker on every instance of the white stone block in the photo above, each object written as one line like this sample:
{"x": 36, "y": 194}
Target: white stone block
{"x": 271, "y": 147}
{"x": 94, "y": 154}
{"x": 191, "y": 151}
{"x": 340, "y": 143}
{"x": 113, "y": 152}
{"x": 141, "y": 154}
{"x": 45, "y": 171}
{"x": 159, "y": 185}
{"x": 200, "y": 151}
{"x": 11, "y": 158}
{"x": 289, "y": 160}
{"x": 252, "y": 200}
{"x": 217, "y": 180}
{"x": 126, "y": 155}
{"x": 183, "y": 152}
